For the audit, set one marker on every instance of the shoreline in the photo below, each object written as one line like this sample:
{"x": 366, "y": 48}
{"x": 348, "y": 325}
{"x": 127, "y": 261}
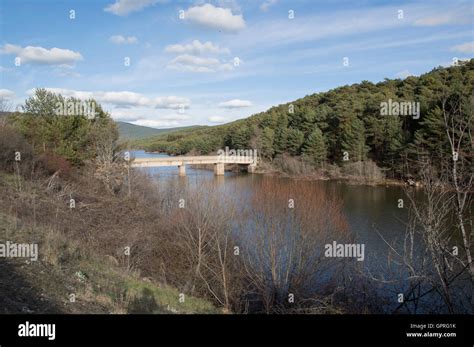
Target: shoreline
{"x": 316, "y": 176}
{"x": 345, "y": 179}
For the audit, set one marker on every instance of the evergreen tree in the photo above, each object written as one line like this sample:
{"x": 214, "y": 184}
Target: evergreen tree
{"x": 430, "y": 138}
{"x": 239, "y": 138}
{"x": 393, "y": 139}
{"x": 352, "y": 135}
{"x": 266, "y": 143}
{"x": 70, "y": 135}
{"x": 315, "y": 147}
{"x": 281, "y": 134}
{"x": 295, "y": 141}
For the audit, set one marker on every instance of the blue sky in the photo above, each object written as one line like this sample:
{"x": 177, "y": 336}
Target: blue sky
{"x": 211, "y": 62}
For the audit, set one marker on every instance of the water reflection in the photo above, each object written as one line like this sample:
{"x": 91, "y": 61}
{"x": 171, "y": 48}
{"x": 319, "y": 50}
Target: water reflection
{"x": 372, "y": 213}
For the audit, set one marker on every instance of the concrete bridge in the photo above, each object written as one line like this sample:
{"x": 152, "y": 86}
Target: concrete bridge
{"x": 180, "y": 162}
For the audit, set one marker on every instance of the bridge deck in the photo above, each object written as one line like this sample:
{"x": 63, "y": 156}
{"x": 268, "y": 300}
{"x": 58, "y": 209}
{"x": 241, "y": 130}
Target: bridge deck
{"x": 190, "y": 160}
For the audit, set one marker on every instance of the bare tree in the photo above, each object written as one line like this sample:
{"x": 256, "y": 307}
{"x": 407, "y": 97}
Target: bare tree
{"x": 428, "y": 264}
{"x": 458, "y": 126}
{"x": 204, "y": 231}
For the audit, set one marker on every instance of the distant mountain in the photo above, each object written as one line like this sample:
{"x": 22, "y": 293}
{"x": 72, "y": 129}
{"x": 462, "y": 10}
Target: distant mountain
{"x": 133, "y": 132}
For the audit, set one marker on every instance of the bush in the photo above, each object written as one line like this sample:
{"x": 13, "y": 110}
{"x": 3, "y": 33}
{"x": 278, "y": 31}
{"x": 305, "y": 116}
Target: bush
{"x": 11, "y": 141}
{"x": 77, "y": 137}
{"x": 285, "y": 246}
{"x": 367, "y": 170}
{"x": 292, "y": 165}
{"x": 51, "y": 163}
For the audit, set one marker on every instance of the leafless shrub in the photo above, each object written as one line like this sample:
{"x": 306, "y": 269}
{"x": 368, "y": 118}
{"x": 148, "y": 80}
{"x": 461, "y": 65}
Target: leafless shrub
{"x": 432, "y": 268}
{"x": 203, "y": 231}
{"x": 443, "y": 266}
{"x": 292, "y": 165}
{"x": 284, "y": 247}
{"x": 458, "y": 116}
{"x": 363, "y": 170}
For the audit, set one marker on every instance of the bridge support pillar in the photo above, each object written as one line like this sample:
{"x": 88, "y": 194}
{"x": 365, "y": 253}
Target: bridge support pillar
{"x": 219, "y": 169}
{"x": 182, "y": 170}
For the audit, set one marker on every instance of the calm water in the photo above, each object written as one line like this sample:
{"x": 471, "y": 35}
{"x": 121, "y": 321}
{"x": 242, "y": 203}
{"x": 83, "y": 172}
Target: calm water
{"x": 372, "y": 213}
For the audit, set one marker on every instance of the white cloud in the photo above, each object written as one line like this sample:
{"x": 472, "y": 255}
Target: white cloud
{"x": 150, "y": 117}
{"x": 158, "y": 123}
{"x": 267, "y": 4}
{"x": 122, "y": 40}
{"x": 270, "y": 32}
{"x": 215, "y": 17}
{"x": 232, "y": 4}
{"x": 192, "y": 63}
{"x": 467, "y": 47}
{"x": 217, "y": 119}
{"x": 125, "y": 98}
{"x": 226, "y": 67}
{"x": 175, "y": 117}
{"x": 65, "y": 92}
{"x": 40, "y": 55}
{"x": 124, "y": 7}
{"x": 456, "y": 17}
{"x": 196, "y": 47}
{"x": 6, "y": 94}
{"x": 187, "y": 59}
{"x": 124, "y": 115}
{"x": 66, "y": 71}
{"x": 235, "y": 103}
{"x": 434, "y": 20}
{"x": 135, "y": 99}
{"x": 454, "y": 61}
{"x": 403, "y": 74}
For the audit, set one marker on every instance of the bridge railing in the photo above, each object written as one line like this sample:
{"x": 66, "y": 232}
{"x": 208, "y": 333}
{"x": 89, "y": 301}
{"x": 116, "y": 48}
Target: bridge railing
{"x": 199, "y": 160}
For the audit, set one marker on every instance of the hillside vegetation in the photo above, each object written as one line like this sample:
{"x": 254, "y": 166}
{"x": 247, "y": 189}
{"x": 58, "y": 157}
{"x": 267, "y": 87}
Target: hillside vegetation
{"x": 64, "y": 188}
{"x": 344, "y": 125}
{"x": 129, "y": 131}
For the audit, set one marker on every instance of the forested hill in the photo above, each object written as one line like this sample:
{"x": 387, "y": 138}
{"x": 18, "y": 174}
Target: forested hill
{"x": 346, "y": 123}
{"x": 128, "y": 131}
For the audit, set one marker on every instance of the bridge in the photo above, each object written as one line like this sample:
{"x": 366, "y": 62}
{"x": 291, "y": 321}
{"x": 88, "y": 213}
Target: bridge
{"x": 181, "y": 162}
